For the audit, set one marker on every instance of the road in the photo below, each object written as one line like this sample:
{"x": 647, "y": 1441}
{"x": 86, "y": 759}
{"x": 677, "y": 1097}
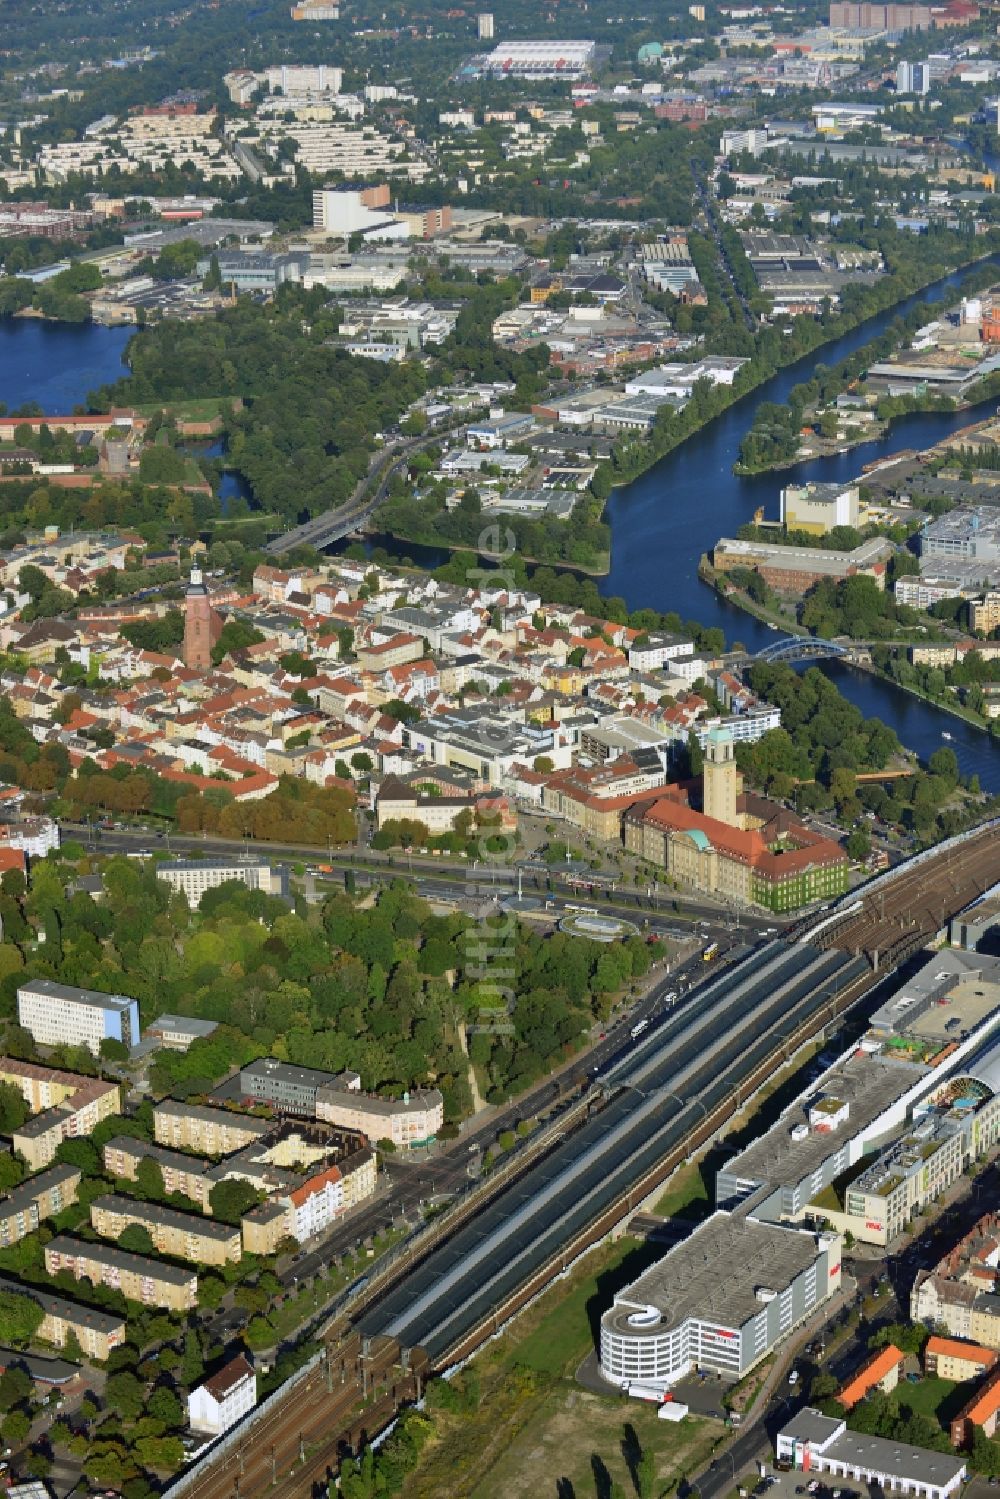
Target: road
{"x": 883, "y": 1278}
{"x": 665, "y": 913}
{"x": 691, "y": 1065}
{"x": 320, "y": 530}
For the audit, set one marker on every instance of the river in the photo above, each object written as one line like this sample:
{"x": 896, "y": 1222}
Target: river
{"x": 664, "y": 521}
{"x": 660, "y": 524}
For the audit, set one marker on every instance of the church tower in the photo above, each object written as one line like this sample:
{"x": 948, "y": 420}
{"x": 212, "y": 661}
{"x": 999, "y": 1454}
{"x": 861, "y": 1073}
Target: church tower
{"x": 720, "y": 786}
{"x": 201, "y": 624}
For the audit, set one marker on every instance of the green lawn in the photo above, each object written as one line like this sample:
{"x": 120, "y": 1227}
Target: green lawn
{"x": 197, "y": 409}
{"x": 563, "y": 1330}
{"x": 925, "y": 1398}
{"x": 686, "y": 1196}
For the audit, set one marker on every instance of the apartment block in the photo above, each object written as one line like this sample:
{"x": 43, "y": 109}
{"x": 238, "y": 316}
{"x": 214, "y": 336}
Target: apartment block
{"x": 181, "y": 1173}
{"x": 208, "y": 1131}
{"x": 61, "y": 1015}
{"x": 64, "y": 1105}
{"x": 179, "y": 1234}
{"x": 952, "y": 1358}
{"x": 984, "y": 613}
{"x": 411, "y": 1120}
{"x": 138, "y": 1277}
{"x": 97, "y": 1332}
{"x": 960, "y": 1295}
{"x": 40, "y": 1197}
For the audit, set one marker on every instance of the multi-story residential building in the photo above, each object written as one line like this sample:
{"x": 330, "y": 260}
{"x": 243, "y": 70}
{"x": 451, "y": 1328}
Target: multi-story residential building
{"x": 952, "y": 1358}
{"x": 960, "y": 1295}
{"x": 61, "y": 1015}
{"x": 185, "y": 1126}
{"x": 414, "y": 1119}
{"x": 654, "y": 650}
{"x": 181, "y": 1173}
{"x": 179, "y": 1234}
{"x": 139, "y": 1278}
{"x": 65, "y": 1106}
{"x": 42, "y": 1196}
{"x": 96, "y": 1332}
{"x": 984, "y": 613}
{"x": 224, "y": 1398}
{"x": 881, "y": 1371}
{"x": 192, "y": 877}
{"x": 982, "y": 1410}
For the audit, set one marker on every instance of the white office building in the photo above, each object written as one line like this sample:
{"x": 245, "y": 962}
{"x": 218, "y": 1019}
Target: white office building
{"x": 192, "y": 877}
{"x": 291, "y": 78}
{"x": 60, "y": 1015}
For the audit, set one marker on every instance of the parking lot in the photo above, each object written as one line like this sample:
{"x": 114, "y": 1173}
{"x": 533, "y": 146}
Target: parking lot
{"x": 794, "y": 1486}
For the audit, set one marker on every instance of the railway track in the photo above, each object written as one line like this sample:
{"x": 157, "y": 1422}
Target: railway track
{"x": 365, "y": 1373}
{"x": 895, "y": 919}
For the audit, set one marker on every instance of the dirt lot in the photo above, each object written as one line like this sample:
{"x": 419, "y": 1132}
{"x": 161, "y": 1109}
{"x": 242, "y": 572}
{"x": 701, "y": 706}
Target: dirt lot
{"x": 575, "y": 1438}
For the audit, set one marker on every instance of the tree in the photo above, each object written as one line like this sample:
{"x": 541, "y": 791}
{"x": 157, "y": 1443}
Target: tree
{"x": 15, "y": 1386}
{"x": 113, "y": 1050}
{"x": 160, "y": 1453}
{"x": 15, "y": 1428}
{"x": 149, "y": 1178}
{"x": 136, "y": 1239}
{"x": 13, "y": 1109}
{"x": 163, "y": 1405}
{"x": 859, "y": 845}
{"x": 231, "y": 1199}
{"x": 79, "y": 1153}
{"x": 126, "y": 1394}
{"x": 20, "y": 1318}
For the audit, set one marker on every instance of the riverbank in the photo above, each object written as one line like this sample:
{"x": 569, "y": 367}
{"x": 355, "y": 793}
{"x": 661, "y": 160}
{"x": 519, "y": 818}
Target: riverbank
{"x": 779, "y": 440}
{"x": 774, "y": 620}
{"x": 442, "y": 544}
{"x": 751, "y": 377}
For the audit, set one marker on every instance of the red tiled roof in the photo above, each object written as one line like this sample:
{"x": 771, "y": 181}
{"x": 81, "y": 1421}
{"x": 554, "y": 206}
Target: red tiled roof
{"x": 870, "y": 1374}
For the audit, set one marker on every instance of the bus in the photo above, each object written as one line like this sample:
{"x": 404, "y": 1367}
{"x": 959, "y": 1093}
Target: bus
{"x": 711, "y": 951}
{"x": 638, "y": 1028}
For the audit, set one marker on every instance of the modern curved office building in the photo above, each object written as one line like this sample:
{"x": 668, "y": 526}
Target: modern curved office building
{"x": 720, "y": 1301}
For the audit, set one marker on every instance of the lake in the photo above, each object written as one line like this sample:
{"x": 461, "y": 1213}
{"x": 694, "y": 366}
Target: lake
{"x": 57, "y": 364}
